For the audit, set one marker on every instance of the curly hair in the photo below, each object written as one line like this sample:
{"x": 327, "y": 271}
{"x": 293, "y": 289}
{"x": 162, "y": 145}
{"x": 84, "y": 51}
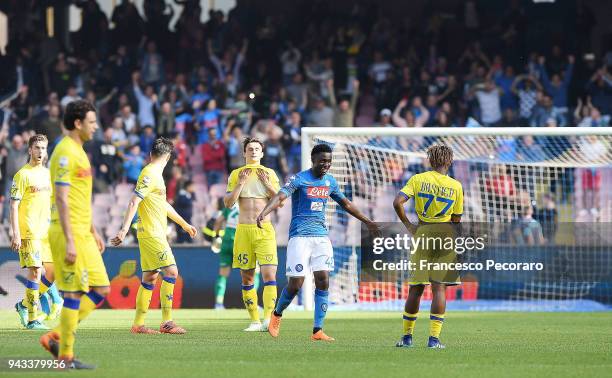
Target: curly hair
{"x": 440, "y": 156}
{"x": 162, "y": 146}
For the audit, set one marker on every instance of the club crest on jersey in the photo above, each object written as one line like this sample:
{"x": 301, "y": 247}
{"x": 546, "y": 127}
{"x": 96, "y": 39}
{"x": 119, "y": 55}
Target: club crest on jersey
{"x": 327, "y": 183}
{"x": 317, "y": 192}
{"x": 316, "y": 206}
{"x": 299, "y": 268}
{"x": 63, "y": 161}
{"x": 146, "y": 179}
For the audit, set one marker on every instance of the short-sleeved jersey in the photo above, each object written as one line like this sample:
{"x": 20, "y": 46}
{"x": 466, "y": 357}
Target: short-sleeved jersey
{"x": 69, "y": 166}
{"x": 436, "y": 196}
{"x": 309, "y": 196}
{"x": 152, "y": 211}
{"x": 32, "y": 187}
{"x": 254, "y": 188}
{"x": 231, "y": 216}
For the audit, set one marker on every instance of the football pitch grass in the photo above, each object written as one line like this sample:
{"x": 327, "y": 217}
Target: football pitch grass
{"x": 478, "y": 344}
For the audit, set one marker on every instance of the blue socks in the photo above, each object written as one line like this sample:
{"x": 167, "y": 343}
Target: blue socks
{"x": 321, "y": 299}
{"x": 283, "y": 301}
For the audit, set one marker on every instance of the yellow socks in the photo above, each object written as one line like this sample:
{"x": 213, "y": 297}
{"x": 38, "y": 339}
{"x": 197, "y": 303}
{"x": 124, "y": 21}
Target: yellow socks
{"x": 143, "y": 300}
{"x": 166, "y": 293}
{"x": 435, "y": 325}
{"x": 31, "y": 299}
{"x": 409, "y": 321}
{"x": 69, "y": 319}
{"x": 269, "y": 298}
{"x": 249, "y": 297}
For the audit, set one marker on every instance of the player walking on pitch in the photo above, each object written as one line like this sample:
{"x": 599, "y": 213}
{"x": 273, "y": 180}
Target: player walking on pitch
{"x": 76, "y": 245}
{"x": 149, "y": 200}
{"x": 438, "y": 199}
{"x": 309, "y": 248}
{"x": 252, "y": 186}
{"x": 29, "y": 214}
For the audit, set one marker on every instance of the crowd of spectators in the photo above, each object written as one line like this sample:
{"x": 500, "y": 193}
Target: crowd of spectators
{"x": 207, "y": 85}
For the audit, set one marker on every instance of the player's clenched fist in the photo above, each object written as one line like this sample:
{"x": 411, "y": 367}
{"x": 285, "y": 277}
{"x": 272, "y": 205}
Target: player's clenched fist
{"x": 71, "y": 253}
{"x": 118, "y": 239}
{"x": 191, "y": 230}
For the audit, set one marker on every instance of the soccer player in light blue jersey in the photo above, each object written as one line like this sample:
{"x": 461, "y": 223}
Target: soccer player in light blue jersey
{"x": 309, "y": 248}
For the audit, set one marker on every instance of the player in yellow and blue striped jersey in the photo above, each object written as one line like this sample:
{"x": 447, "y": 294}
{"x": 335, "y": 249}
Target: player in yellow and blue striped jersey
{"x": 438, "y": 199}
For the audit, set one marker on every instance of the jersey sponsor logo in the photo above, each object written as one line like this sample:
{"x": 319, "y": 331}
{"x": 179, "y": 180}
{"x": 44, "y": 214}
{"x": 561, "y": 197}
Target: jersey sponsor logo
{"x": 83, "y": 172}
{"x": 324, "y": 307}
{"x": 316, "y": 206}
{"x": 317, "y": 192}
{"x": 36, "y": 189}
{"x": 160, "y": 192}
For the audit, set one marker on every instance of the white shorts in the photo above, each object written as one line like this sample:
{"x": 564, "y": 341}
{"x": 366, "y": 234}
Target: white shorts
{"x": 309, "y": 254}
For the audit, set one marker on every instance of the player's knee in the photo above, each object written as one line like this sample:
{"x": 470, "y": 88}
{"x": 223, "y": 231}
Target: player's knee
{"x": 294, "y": 285}
{"x": 416, "y": 290}
{"x": 322, "y": 283}
{"x": 171, "y": 272}
{"x": 34, "y": 273}
{"x": 103, "y": 291}
{"x": 438, "y": 289}
{"x": 247, "y": 277}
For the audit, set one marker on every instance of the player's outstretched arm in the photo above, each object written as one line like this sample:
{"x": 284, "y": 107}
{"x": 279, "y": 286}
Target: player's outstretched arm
{"x": 172, "y": 214}
{"x": 350, "y": 208}
{"x": 398, "y": 205}
{"x": 127, "y": 220}
{"x": 274, "y": 203}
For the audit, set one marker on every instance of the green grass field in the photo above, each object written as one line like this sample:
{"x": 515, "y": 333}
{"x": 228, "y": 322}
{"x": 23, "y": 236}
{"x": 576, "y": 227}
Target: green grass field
{"x": 478, "y": 345}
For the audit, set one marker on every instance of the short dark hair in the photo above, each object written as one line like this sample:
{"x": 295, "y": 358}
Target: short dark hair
{"x": 162, "y": 146}
{"x": 37, "y": 138}
{"x": 249, "y": 140}
{"x": 320, "y": 148}
{"x": 77, "y": 110}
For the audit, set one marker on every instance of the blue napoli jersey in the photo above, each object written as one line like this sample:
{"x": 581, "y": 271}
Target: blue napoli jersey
{"x": 309, "y": 196}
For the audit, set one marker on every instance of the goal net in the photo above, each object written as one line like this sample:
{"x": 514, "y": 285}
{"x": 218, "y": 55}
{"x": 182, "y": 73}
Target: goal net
{"x": 542, "y": 192}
